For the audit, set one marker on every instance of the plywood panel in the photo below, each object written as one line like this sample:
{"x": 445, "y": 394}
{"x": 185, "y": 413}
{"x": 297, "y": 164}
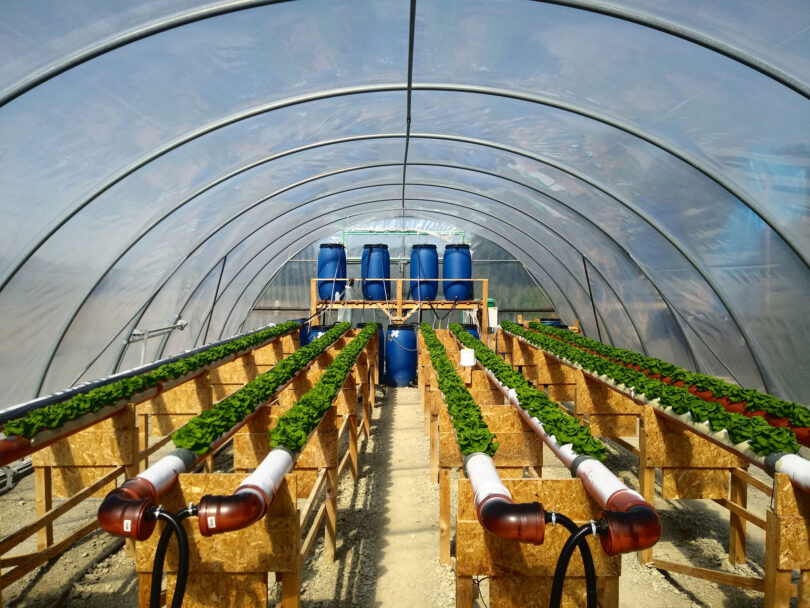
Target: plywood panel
{"x": 499, "y": 419}
{"x": 789, "y": 540}
{"x": 515, "y": 450}
{"x": 526, "y": 592}
{"x": 694, "y": 483}
{"x": 562, "y": 392}
{"x": 239, "y": 371}
{"x": 191, "y": 397}
{"x": 621, "y": 425}
{"x": 593, "y": 396}
{"x": 271, "y": 544}
{"x": 90, "y": 448}
{"x": 163, "y": 424}
{"x": 206, "y": 589}
{"x": 669, "y": 445}
{"x": 69, "y": 480}
{"x": 788, "y": 499}
{"x": 269, "y": 354}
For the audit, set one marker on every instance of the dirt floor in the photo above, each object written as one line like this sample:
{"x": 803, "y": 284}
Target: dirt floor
{"x": 387, "y": 551}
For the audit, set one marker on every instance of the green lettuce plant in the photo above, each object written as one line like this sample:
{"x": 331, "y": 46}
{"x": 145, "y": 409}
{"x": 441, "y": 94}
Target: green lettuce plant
{"x": 472, "y": 433}
{"x": 201, "y": 431}
{"x": 295, "y": 425}
{"x": 55, "y": 415}
{"x": 763, "y": 438}
{"x": 564, "y": 427}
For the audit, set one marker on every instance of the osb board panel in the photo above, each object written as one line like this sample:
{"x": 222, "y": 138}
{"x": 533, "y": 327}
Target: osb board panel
{"x": 534, "y": 592}
{"x": 499, "y": 419}
{"x": 595, "y": 397}
{"x": 250, "y": 449}
{"x": 562, "y": 392}
{"x": 220, "y": 391}
{"x": 163, "y": 424}
{"x": 487, "y": 397}
{"x": 269, "y": 545}
{"x": 346, "y": 401}
{"x": 305, "y": 480}
{"x": 567, "y": 496}
{"x": 204, "y": 590}
{"x": 66, "y": 481}
{"x": 789, "y": 538}
{"x": 610, "y": 425}
{"x": 694, "y": 483}
{"x": 788, "y": 499}
{"x": 90, "y": 448}
{"x": 515, "y": 450}
{"x": 481, "y": 381}
{"x": 669, "y": 446}
{"x": 523, "y": 354}
{"x": 239, "y": 371}
{"x": 479, "y": 552}
{"x": 551, "y": 371}
{"x": 188, "y": 398}
{"x": 270, "y": 354}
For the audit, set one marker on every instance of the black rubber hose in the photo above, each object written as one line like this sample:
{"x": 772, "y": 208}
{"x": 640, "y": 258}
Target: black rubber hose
{"x": 587, "y": 558}
{"x": 576, "y": 539}
{"x": 174, "y": 527}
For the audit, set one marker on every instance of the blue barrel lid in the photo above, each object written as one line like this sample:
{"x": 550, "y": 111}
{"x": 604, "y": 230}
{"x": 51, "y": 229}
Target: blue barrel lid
{"x": 332, "y": 246}
{"x": 424, "y": 246}
{"x": 375, "y": 246}
{"x": 402, "y": 326}
{"x": 457, "y": 246}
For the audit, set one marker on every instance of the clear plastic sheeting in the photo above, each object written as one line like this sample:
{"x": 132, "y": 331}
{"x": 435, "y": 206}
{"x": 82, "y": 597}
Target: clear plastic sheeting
{"x": 184, "y": 159}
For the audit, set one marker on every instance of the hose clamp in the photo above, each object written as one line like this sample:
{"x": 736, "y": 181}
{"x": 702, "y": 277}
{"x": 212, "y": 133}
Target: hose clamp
{"x": 593, "y": 527}
{"x": 553, "y": 518}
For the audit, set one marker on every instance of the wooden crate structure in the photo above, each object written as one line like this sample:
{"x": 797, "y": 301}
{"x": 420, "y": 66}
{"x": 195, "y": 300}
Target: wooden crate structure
{"x": 541, "y": 368}
{"x": 520, "y": 574}
{"x": 229, "y": 569}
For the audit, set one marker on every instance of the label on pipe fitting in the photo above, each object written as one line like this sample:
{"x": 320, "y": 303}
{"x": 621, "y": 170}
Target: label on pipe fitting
{"x": 212, "y": 522}
{"x": 127, "y": 525}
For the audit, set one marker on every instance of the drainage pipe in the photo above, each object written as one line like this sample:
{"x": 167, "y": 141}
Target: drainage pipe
{"x": 496, "y": 512}
{"x": 632, "y": 522}
{"x": 250, "y": 501}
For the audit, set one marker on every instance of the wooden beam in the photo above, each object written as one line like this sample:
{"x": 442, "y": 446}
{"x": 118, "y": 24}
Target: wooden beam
{"x": 14, "y": 539}
{"x": 739, "y": 515}
{"x": 43, "y": 495}
{"x": 146, "y": 453}
{"x": 741, "y": 511}
{"x": 752, "y": 481}
{"x": 626, "y": 445}
{"x": 723, "y": 578}
{"x": 48, "y": 554}
{"x": 316, "y": 490}
{"x": 313, "y": 532}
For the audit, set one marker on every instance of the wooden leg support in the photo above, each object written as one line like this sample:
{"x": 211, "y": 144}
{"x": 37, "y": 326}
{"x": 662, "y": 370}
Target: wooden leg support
{"x": 434, "y": 449}
{"x": 777, "y": 582}
{"x": 43, "y": 492}
{"x": 353, "y": 446}
{"x": 330, "y": 532}
{"x": 804, "y": 589}
{"x": 464, "y": 592}
{"x": 290, "y": 589}
{"x": 736, "y": 540}
{"x": 444, "y": 517}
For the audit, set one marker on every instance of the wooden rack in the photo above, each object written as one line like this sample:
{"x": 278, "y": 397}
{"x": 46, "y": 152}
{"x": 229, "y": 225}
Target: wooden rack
{"x": 692, "y": 467}
{"x": 398, "y": 309}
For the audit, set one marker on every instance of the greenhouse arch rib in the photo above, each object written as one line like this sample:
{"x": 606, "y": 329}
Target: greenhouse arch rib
{"x": 732, "y": 314}
{"x": 601, "y": 8}
{"x": 598, "y": 117}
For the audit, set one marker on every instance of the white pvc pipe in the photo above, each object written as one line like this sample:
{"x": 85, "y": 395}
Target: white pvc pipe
{"x": 163, "y": 473}
{"x": 600, "y": 482}
{"x": 796, "y": 468}
{"x": 484, "y": 478}
{"x": 270, "y": 472}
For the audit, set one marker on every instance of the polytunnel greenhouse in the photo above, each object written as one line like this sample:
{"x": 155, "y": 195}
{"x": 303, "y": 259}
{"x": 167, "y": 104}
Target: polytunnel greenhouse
{"x": 430, "y": 302}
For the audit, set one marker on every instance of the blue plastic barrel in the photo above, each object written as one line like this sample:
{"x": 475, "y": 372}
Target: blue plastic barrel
{"x": 552, "y": 322}
{"x": 317, "y": 331}
{"x": 400, "y": 355}
{"x": 424, "y": 272}
{"x": 380, "y": 349}
{"x": 471, "y": 328}
{"x": 375, "y": 269}
{"x": 331, "y": 271}
{"x": 457, "y": 265}
{"x": 303, "y": 332}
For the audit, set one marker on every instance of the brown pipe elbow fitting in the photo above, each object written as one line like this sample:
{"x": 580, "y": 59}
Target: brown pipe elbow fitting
{"x": 218, "y": 514}
{"x": 524, "y": 522}
{"x": 14, "y": 449}
{"x": 124, "y": 510}
{"x": 635, "y": 529}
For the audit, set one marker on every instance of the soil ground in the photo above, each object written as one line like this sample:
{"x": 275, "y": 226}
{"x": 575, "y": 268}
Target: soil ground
{"x": 387, "y": 551}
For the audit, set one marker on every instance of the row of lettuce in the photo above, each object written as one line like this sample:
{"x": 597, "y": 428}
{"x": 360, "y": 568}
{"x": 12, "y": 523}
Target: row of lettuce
{"x": 708, "y": 387}
{"x": 55, "y": 415}
{"x": 472, "y": 433}
{"x": 293, "y": 428}
{"x": 756, "y": 433}
{"x": 199, "y": 433}
{"x": 566, "y": 429}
